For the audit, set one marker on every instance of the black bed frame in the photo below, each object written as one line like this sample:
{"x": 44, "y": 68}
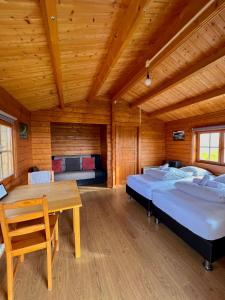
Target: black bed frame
{"x": 146, "y": 203}
{"x": 210, "y": 250}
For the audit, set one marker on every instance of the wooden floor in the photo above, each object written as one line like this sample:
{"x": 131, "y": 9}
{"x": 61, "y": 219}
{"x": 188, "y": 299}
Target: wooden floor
{"x": 124, "y": 256}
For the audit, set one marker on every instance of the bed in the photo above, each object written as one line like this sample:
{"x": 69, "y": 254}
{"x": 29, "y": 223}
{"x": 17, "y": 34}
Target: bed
{"x": 141, "y": 187}
{"x": 198, "y": 222}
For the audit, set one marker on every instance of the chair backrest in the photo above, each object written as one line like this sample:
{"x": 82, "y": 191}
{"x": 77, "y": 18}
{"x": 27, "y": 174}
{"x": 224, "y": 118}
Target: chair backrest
{"x": 40, "y": 177}
{"x": 13, "y": 217}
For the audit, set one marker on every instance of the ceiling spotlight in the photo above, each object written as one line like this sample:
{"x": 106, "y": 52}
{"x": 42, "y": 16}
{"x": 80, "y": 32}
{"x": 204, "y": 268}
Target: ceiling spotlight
{"x": 148, "y": 80}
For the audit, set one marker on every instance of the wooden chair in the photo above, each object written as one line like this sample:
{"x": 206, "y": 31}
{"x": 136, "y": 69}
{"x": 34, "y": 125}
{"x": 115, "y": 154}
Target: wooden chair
{"x": 27, "y": 227}
{"x": 38, "y": 178}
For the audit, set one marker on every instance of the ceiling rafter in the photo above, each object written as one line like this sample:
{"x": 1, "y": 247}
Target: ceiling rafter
{"x": 181, "y": 77}
{"x": 49, "y": 12}
{"x": 186, "y": 24}
{"x": 190, "y": 101}
{"x": 120, "y": 39}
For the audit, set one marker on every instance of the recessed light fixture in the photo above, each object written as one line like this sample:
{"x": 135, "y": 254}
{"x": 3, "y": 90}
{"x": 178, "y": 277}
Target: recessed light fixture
{"x": 148, "y": 80}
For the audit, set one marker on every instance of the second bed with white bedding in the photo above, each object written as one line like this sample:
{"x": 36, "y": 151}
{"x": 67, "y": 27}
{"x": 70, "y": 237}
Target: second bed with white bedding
{"x": 145, "y": 184}
{"x": 205, "y": 219}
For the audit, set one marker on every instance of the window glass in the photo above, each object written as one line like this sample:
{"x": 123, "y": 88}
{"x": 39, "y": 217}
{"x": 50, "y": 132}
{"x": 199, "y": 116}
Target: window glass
{"x": 214, "y": 139}
{"x": 204, "y": 153}
{"x": 209, "y": 146}
{"x": 6, "y": 152}
{"x": 214, "y": 154}
{"x": 204, "y": 140}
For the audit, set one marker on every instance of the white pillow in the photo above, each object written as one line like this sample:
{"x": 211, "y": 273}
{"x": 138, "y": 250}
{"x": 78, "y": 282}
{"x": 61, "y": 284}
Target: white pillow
{"x": 164, "y": 167}
{"x": 196, "y": 171}
{"x": 220, "y": 178}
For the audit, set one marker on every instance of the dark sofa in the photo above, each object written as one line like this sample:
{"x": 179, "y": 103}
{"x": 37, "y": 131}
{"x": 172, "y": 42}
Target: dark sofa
{"x": 72, "y": 170}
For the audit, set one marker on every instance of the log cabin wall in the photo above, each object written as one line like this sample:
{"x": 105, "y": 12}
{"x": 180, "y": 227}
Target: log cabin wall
{"x": 151, "y": 136}
{"x": 22, "y": 147}
{"x": 97, "y": 113}
{"x": 103, "y": 145}
{"x": 183, "y": 150}
{"x": 75, "y": 139}
{"x": 152, "y": 141}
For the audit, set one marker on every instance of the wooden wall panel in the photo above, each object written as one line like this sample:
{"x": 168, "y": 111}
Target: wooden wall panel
{"x": 41, "y": 144}
{"x": 151, "y": 146}
{"x": 75, "y": 139}
{"x": 182, "y": 150}
{"x": 103, "y": 146}
{"x": 152, "y": 142}
{"x": 152, "y": 137}
{"x": 77, "y": 113}
{"x": 22, "y": 157}
{"x": 109, "y": 156}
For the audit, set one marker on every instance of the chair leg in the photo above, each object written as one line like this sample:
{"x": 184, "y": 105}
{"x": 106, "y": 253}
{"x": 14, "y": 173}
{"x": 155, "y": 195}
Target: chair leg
{"x": 57, "y": 236}
{"x": 9, "y": 263}
{"x": 49, "y": 265}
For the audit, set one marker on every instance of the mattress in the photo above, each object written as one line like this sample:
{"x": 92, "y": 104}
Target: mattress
{"x": 205, "y": 219}
{"x": 145, "y": 184}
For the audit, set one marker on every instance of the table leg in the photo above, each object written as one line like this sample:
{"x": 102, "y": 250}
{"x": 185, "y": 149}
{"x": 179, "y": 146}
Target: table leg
{"x": 76, "y": 230}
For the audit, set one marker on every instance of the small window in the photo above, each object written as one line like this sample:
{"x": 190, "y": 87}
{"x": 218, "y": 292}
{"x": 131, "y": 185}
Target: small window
{"x": 210, "y": 147}
{"x": 6, "y": 152}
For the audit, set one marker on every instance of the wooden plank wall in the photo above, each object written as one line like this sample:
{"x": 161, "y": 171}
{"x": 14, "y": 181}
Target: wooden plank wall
{"x": 75, "y": 139}
{"x": 22, "y": 157}
{"x": 41, "y": 142}
{"x": 152, "y": 139}
{"x": 103, "y": 146}
{"x": 151, "y": 146}
{"x": 77, "y": 113}
{"x": 182, "y": 150}
{"x": 152, "y": 149}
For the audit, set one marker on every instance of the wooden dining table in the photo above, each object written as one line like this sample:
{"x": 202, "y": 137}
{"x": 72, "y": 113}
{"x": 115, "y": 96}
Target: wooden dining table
{"x": 61, "y": 195}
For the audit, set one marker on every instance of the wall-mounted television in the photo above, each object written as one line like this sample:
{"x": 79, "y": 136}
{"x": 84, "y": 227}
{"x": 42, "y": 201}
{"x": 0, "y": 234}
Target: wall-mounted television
{"x": 178, "y": 135}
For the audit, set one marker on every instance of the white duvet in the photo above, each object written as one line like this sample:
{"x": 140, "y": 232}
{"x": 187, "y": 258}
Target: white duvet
{"x": 145, "y": 184}
{"x": 204, "y": 218}
{"x": 204, "y": 192}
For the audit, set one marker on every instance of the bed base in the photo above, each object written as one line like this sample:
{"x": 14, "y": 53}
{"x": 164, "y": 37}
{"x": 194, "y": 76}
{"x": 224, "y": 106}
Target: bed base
{"x": 210, "y": 250}
{"x": 146, "y": 203}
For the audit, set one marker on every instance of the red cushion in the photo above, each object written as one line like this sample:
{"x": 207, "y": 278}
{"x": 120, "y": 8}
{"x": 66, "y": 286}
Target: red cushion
{"x": 57, "y": 165}
{"x": 88, "y": 163}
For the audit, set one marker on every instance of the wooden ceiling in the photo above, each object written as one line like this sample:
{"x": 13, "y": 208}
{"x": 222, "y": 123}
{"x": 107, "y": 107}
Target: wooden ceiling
{"x": 56, "y": 52}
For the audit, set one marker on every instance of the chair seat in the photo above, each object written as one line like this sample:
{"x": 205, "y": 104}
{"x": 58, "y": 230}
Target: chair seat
{"x": 34, "y": 238}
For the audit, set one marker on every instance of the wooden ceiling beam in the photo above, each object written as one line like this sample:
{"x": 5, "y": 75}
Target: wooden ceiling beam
{"x": 185, "y": 75}
{"x": 120, "y": 39}
{"x": 193, "y": 100}
{"x": 49, "y": 12}
{"x": 184, "y": 26}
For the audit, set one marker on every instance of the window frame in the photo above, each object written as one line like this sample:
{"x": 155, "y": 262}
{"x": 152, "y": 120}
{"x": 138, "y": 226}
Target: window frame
{"x": 6, "y": 180}
{"x": 221, "y": 161}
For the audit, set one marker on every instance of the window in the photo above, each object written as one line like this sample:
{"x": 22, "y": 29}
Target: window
{"x": 210, "y": 147}
{"x": 6, "y": 152}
